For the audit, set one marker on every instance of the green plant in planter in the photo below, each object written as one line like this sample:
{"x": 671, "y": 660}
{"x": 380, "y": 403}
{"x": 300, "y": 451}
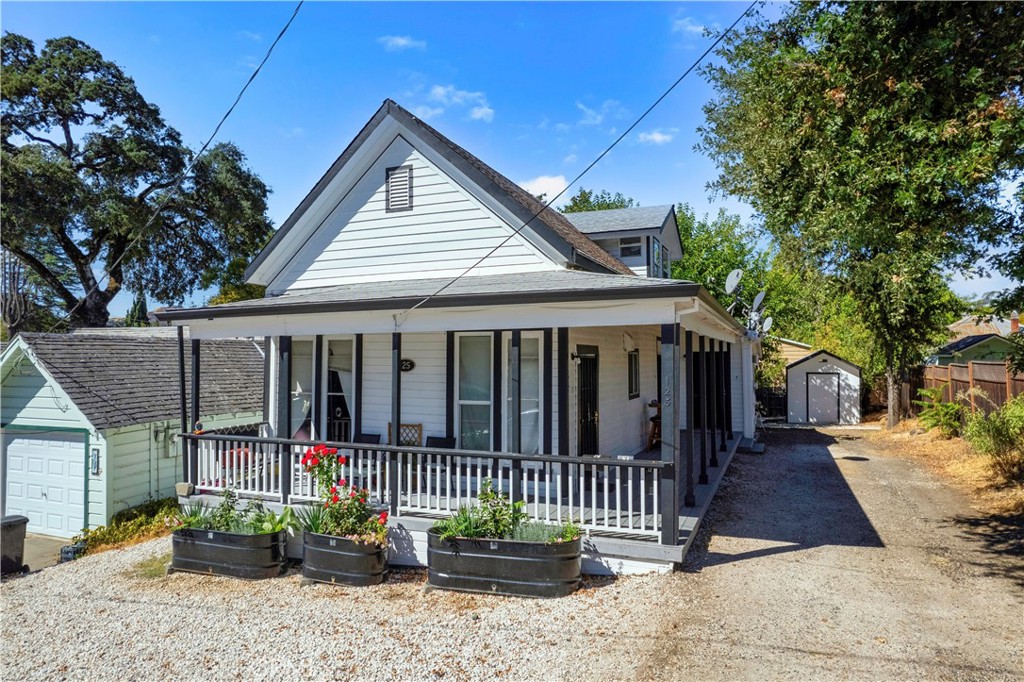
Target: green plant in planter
{"x": 497, "y": 518}
{"x": 346, "y": 511}
{"x": 253, "y": 519}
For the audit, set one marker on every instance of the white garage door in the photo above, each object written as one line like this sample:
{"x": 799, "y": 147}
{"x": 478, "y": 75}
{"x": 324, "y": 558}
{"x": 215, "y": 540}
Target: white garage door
{"x": 823, "y": 398}
{"x": 45, "y": 473}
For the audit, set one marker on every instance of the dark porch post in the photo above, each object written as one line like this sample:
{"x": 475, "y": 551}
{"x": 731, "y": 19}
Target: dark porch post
{"x": 193, "y": 451}
{"x": 563, "y": 406}
{"x": 185, "y": 445}
{"x": 318, "y": 389}
{"x": 396, "y": 416}
{"x": 723, "y": 380}
{"x": 669, "y": 434}
{"x": 284, "y": 412}
{"x": 515, "y": 408}
{"x": 728, "y": 390}
{"x": 357, "y": 388}
{"x": 703, "y": 374}
{"x": 713, "y": 398}
{"x": 691, "y": 412}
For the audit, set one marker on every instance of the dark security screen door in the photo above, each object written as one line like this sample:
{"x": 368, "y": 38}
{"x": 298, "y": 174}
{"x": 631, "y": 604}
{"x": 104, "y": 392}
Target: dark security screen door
{"x": 588, "y": 412}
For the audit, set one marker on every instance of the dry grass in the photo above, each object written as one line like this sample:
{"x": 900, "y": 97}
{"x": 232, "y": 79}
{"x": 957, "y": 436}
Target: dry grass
{"x": 956, "y": 461}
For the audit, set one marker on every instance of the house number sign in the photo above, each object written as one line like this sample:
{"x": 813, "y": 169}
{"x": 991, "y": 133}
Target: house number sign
{"x": 407, "y": 365}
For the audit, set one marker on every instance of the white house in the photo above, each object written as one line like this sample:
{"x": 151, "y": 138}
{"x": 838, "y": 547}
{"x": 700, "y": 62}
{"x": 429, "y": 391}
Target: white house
{"x": 822, "y": 388}
{"x": 90, "y": 419}
{"x": 417, "y": 286}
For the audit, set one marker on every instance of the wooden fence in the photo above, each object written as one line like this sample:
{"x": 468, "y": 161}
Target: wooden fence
{"x": 957, "y": 380}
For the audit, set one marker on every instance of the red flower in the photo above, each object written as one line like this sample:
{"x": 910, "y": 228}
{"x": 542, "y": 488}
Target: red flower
{"x": 342, "y": 459}
{"x": 342, "y": 481}
{"x": 333, "y": 451}
{"x": 383, "y": 517}
{"x": 352, "y": 494}
{"x": 334, "y": 498}
{"x": 316, "y": 461}
{"x": 334, "y": 488}
{"x": 363, "y": 500}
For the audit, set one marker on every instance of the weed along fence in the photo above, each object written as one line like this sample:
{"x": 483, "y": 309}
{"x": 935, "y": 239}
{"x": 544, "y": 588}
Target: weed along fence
{"x": 957, "y": 382}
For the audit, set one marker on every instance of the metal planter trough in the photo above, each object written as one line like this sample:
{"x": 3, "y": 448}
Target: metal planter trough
{"x": 333, "y": 559}
{"x": 508, "y": 567}
{"x": 236, "y": 555}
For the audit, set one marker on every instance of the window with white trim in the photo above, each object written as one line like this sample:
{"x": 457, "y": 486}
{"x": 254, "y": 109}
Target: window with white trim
{"x": 633, "y": 379}
{"x": 531, "y": 393}
{"x": 473, "y": 390}
{"x": 629, "y": 247}
{"x": 398, "y": 189}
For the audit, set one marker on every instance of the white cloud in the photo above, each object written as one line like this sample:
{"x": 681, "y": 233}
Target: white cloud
{"x": 658, "y": 136}
{"x": 610, "y": 108}
{"x": 569, "y": 159}
{"x": 399, "y": 43}
{"x": 426, "y": 113}
{"x": 445, "y": 96}
{"x": 249, "y": 35}
{"x": 548, "y": 185}
{"x": 686, "y": 25}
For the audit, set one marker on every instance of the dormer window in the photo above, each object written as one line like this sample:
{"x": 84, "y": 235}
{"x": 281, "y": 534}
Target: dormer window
{"x": 398, "y": 193}
{"x": 629, "y": 247}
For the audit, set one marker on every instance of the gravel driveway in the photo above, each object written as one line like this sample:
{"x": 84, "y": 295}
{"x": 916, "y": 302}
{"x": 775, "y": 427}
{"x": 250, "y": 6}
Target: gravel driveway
{"x": 825, "y": 561}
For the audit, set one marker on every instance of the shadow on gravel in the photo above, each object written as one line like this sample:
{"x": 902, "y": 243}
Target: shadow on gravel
{"x": 1000, "y": 535}
{"x": 793, "y": 497}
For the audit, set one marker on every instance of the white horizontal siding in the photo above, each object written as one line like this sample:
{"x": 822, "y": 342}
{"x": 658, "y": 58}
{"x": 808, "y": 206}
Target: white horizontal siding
{"x": 423, "y": 388}
{"x": 625, "y": 423}
{"x": 446, "y": 232}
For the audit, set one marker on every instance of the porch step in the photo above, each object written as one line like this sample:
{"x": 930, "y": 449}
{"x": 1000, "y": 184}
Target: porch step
{"x": 748, "y": 446}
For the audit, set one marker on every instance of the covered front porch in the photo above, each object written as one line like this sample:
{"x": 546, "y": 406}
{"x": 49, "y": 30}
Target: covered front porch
{"x": 587, "y": 411}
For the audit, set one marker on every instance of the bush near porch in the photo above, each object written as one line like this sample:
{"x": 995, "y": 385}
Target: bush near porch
{"x": 129, "y": 526}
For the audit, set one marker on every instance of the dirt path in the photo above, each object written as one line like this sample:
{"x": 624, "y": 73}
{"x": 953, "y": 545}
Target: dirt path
{"x": 829, "y": 559}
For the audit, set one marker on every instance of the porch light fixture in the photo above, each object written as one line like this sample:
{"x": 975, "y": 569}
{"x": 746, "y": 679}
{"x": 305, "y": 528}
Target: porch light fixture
{"x": 94, "y": 461}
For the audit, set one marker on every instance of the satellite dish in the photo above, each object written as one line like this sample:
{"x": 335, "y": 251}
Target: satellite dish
{"x": 767, "y": 324}
{"x": 758, "y": 300}
{"x": 733, "y": 280}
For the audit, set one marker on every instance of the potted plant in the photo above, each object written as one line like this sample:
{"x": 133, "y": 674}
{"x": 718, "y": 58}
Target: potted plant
{"x": 246, "y": 544}
{"x": 345, "y": 540}
{"x": 492, "y": 547}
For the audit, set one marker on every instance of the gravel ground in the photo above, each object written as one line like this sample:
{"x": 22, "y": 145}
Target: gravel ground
{"x": 821, "y": 560}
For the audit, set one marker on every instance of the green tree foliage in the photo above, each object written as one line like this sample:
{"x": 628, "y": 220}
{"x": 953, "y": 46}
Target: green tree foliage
{"x": 85, "y": 162}
{"x": 138, "y": 314}
{"x": 589, "y": 200}
{"x": 873, "y": 139}
{"x": 26, "y": 304}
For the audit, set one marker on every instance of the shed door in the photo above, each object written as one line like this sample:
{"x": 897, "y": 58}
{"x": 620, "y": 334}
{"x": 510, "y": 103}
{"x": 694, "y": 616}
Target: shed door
{"x": 823, "y": 398}
{"x": 45, "y": 472}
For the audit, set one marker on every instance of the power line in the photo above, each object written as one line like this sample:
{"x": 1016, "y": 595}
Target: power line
{"x": 173, "y": 189}
{"x": 593, "y": 163}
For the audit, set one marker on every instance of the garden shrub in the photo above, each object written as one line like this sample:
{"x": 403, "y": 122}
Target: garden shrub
{"x": 947, "y": 417}
{"x": 141, "y": 522}
{"x": 497, "y": 518}
{"x": 1000, "y": 436}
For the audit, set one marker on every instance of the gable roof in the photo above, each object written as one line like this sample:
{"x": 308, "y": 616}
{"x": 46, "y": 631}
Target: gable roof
{"x": 960, "y": 345}
{"x": 820, "y": 353}
{"x": 620, "y": 219}
{"x": 548, "y": 223}
{"x": 119, "y": 379}
{"x": 980, "y": 325}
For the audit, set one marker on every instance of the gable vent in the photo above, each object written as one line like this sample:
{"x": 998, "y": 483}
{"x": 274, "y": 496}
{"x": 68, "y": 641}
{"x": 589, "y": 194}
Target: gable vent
{"x": 399, "y": 189}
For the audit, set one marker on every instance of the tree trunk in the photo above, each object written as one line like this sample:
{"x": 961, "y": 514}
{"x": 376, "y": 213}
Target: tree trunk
{"x": 92, "y": 310}
{"x": 893, "y": 386}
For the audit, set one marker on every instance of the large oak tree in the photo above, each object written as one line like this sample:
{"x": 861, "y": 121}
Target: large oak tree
{"x": 874, "y": 140}
{"x": 86, "y": 161}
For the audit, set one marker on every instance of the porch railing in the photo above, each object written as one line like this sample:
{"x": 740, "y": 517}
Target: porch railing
{"x": 619, "y": 496}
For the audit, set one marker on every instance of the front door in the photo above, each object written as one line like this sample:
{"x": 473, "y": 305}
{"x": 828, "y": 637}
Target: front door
{"x": 589, "y": 417}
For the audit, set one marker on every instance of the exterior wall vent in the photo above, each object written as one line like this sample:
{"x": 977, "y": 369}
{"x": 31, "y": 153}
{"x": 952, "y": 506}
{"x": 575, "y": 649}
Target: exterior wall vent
{"x": 398, "y": 193}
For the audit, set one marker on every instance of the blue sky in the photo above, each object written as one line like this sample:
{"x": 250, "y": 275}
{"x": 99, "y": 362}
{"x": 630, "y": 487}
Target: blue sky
{"x": 537, "y": 90}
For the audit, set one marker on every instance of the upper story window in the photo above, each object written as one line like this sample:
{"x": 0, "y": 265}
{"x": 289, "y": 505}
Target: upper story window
{"x": 629, "y": 247}
{"x": 398, "y": 193}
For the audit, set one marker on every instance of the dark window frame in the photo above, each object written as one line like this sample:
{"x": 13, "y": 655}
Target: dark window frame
{"x": 387, "y": 188}
{"x": 630, "y": 243}
{"x": 633, "y": 374}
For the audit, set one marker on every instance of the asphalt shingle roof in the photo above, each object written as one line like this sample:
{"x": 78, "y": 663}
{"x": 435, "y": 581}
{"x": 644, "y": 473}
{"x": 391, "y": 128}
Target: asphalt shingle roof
{"x": 963, "y": 344}
{"x": 550, "y": 285}
{"x": 620, "y": 219}
{"x": 119, "y": 379}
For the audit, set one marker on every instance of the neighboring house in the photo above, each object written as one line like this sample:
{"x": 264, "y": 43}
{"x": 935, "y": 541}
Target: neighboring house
{"x": 991, "y": 347}
{"x": 790, "y": 351}
{"x": 90, "y": 419}
{"x": 972, "y": 325}
{"x": 822, "y": 388}
{"x": 418, "y": 291}
{"x": 645, "y": 238}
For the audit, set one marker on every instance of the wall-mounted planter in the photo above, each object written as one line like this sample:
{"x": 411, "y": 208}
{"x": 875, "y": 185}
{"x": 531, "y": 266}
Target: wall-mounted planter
{"x": 509, "y": 567}
{"x": 236, "y": 555}
{"x": 331, "y": 559}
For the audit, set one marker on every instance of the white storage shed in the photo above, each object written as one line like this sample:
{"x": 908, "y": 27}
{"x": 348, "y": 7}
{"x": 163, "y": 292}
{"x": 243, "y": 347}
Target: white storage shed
{"x": 822, "y": 388}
